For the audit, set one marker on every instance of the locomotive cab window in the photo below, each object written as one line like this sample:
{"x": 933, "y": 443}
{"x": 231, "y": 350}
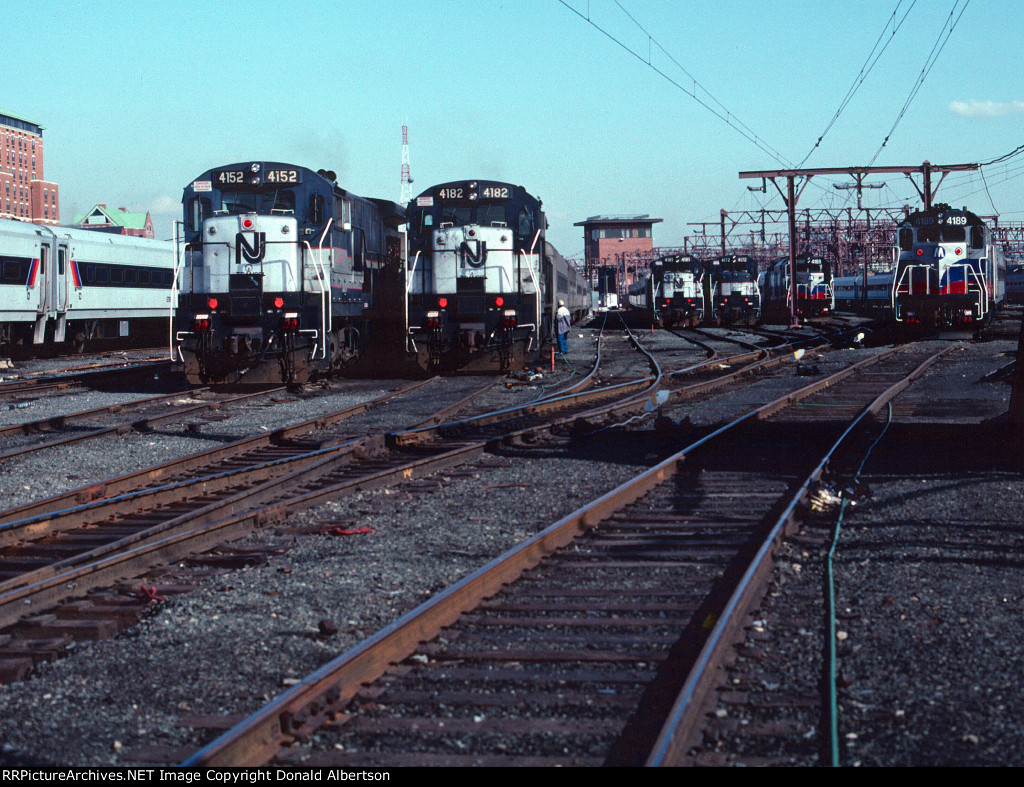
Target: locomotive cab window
{"x": 490, "y": 215}
{"x": 235, "y": 202}
{"x": 977, "y": 238}
{"x": 456, "y": 216}
{"x": 525, "y": 222}
{"x": 281, "y": 202}
{"x": 358, "y": 249}
{"x": 906, "y": 239}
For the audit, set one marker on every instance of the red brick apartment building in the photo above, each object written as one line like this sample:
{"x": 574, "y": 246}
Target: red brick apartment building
{"x": 24, "y": 194}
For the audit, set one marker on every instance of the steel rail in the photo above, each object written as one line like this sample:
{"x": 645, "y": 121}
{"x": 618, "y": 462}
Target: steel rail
{"x": 58, "y": 421}
{"x": 72, "y": 380}
{"x": 684, "y": 721}
{"x": 211, "y": 526}
{"x": 141, "y": 425}
{"x": 301, "y": 709}
{"x": 134, "y": 481}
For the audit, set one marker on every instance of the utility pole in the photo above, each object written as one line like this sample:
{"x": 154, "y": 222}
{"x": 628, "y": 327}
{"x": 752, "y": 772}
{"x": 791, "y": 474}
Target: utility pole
{"x": 926, "y": 192}
{"x": 406, "y": 197}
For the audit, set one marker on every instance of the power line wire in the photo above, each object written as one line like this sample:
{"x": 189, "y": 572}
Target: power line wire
{"x": 727, "y": 118}
{"x": 865, "y": 69}
{"x": 933, "y": 56}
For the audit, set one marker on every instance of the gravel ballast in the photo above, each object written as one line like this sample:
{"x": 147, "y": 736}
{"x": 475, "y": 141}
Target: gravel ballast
{"x": 104, "y": 699}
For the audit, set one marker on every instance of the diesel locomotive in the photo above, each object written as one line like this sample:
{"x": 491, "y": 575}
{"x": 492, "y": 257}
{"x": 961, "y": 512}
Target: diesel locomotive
{"x": 282, "y": 273}
{"x": 483, "y": 282}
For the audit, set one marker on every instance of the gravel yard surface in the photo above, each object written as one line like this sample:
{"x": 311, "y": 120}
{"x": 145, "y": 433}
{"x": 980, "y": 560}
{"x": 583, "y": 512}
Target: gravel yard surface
{"x": 929, "y": 605}
{"x": 104, "y": 699}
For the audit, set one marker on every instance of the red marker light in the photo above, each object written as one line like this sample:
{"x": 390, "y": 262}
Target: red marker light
{"x": 212, "y": 303}
{"x": 247, "y": 224}
{"x": 278, "y": 303}
{"x": 442, "y": 302}
{"x": 959, "y": 251}
{"x": 499, "y": 301}
{"x": 920, "y": 252}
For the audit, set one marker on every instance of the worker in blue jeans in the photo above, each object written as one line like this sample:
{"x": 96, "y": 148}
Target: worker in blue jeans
{"x": 564, "y": 322}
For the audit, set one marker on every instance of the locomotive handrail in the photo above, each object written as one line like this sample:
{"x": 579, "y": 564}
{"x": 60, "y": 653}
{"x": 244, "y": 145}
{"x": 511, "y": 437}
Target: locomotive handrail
{"x": 178, "y": 265}
{"x": 325, "y": 290}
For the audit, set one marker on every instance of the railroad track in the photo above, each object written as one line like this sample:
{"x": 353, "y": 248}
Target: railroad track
{"x": 60, "y": 548}
{"x": 564, "y": 650}
{"x": 121, "y": 373}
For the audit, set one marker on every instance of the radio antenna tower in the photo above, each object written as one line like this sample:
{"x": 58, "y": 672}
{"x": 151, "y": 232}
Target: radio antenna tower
{"x": 406, "y": 176}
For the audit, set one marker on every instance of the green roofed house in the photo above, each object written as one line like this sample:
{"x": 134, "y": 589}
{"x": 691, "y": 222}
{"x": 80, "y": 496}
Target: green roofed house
{"x": 116, "y": 220}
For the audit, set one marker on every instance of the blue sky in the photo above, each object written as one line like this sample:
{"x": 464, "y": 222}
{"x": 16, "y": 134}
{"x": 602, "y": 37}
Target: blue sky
{"x": 139, "y": 98}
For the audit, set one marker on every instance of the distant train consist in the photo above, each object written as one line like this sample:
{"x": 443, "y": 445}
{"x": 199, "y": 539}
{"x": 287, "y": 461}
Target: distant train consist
{"x": 283, "y": 271}
{"x": 949, "y": 274}
{"x": 672, "y": 293}
{"x": 814, "y": 292}
{"x": 1015, "y": 283}
{"x": 483, "y": 281}
{"x": 734, "y": 292}
{"x": 67, "y": 287}
{"x": 852, "y": 295}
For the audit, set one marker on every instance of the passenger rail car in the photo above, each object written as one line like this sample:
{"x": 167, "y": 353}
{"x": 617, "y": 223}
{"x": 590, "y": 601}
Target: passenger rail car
{"x": 851, "y": 295}
{"x": 814, "y": 292}
{"x": 735, "y": 296}
{"x": 949, "y": 273}
{"x": 65, "y": 287}
{"x": 672, "y": 293}
{"x": 483, "y": 282}
{"x": 282, "y": 271}
{"x": 1015, "y": 283}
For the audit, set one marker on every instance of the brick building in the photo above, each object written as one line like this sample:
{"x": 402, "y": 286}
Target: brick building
{"x": 619, "y": 243}
{"x": 24, "y": 193}
{"x": 116, "y": 220}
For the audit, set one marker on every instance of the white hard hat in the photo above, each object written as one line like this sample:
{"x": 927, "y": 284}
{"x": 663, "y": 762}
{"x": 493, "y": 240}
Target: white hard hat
{"x": 561, "y": 302}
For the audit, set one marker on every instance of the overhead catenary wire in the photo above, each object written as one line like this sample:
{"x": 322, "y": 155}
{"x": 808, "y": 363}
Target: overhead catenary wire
{"x": 865, "y": 69}
{"x": 728, "y": 117}
{"x": 933, "y": 56}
